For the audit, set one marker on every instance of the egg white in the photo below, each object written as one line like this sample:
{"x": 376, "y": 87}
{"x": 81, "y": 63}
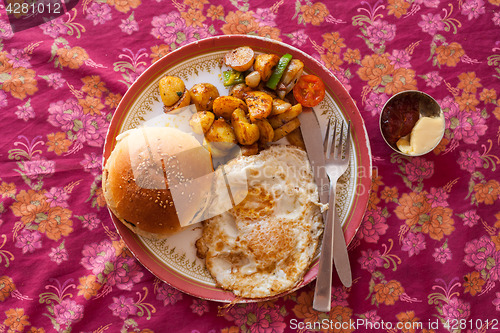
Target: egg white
{"x": 265, "y": 244}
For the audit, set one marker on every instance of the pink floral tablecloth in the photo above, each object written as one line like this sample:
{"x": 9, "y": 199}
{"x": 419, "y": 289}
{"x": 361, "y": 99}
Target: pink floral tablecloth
{"x": 427, "y": 255}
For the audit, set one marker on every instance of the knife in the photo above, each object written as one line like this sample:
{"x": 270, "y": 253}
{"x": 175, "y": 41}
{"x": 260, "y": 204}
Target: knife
{"x": 311, "y": 132}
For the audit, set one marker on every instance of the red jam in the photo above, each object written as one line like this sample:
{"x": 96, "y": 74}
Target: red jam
{"x": 399, "y": 117}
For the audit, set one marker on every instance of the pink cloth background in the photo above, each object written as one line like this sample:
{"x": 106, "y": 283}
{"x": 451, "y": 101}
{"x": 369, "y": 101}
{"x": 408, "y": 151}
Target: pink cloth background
{"x": 428, "y": 248}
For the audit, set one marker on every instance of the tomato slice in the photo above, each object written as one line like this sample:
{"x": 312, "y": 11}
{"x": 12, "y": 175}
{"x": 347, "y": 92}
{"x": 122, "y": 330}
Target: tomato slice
{"x": 309, "y": 91}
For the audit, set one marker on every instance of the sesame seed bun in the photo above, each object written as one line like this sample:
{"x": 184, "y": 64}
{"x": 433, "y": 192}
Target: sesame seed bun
{"x": 137, "y": 174}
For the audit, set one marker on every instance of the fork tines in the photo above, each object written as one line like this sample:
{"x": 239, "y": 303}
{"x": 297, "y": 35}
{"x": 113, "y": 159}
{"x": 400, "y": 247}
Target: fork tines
{"x": 329, "y": 144}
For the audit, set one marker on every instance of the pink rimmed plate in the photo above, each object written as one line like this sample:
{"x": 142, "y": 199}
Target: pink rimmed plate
{"x": 174, "y": 260}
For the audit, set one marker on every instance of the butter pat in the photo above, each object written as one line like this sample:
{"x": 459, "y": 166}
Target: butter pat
{"x": 424, "y": 136}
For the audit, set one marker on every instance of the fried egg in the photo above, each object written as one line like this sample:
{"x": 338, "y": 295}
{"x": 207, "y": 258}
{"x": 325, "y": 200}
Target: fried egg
{"x": 265, "y": 244}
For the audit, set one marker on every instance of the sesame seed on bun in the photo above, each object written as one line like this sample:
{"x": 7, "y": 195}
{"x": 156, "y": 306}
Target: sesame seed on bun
{"x": 137, "y": 174}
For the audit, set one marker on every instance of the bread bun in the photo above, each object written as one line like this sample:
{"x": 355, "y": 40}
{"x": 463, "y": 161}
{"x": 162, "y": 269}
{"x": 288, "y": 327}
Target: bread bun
{"x": 136, "y": 179}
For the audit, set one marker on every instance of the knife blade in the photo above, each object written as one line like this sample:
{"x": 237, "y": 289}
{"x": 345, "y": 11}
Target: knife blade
{"x": 313, "y": 140}
{"x": 311, "y": 132}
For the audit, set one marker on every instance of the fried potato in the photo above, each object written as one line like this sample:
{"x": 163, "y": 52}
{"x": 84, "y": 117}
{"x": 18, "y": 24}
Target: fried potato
{"x": 239, "y": 90}
{"x": 259, "y": 104}
{"x": 214, "y": 151}
{"x": 287, "y": 128}
{"x": 184, "y": 101}
{"x": 171, "y": 89}
{"x": 250, "y": 150}
{"x": 246, "y": 132}
{"x": 240, "y": 59}
{"x": 264, "y": 64}
{"x": 295, "y": 138}
{"x": 201, "y": 121}
{"x": 279, "y": 107}
{"x": 285, "y": 117}
{"x": 265, "y": 129}
{"x": 203, "y": 96}
{"x": 221, "y": 134}
{"x": 225, "y": 105}
{"x": 262, "y": 87}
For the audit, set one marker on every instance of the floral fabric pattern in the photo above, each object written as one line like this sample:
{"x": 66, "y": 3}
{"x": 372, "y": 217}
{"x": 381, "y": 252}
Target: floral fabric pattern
{"x": 428, "y": 248}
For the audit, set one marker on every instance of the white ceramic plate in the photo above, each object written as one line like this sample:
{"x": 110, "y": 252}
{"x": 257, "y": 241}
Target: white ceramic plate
{"x": 174, "y": 260}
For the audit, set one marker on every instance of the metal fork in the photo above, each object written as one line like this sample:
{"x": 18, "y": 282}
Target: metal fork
{"x": 336, "y": 162}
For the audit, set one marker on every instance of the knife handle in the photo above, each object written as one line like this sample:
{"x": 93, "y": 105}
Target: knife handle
{"x": 323, "y": 291}
{"x": 340, "y": 255}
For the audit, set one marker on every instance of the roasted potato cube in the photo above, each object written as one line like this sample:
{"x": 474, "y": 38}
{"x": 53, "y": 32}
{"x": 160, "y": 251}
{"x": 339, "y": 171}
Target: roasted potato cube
{"x": 239, "y": 90}
{"x": 225, "y": 105}
{"x": 214, "y": 151}
{"x": 264, "y": 64}
{"x": 287, "y": 128}
{"x": 201, "y": 121}
{"x": 295, "y": 138}
{"x": 250, "y": 150}
{"x": 265, "y": 129}
{"x": 259, "y": 104}
{"x": 262, "y": 87}
{"x": 203, "y": 96}
{"x": 240, "y": 59}
{"x": 221, "y": 135}
{"x": 280, "y": 106}
{"x": 283, "y": 118}
{"x": 246, "y": 132}
{"x": 184, "y": 101}
{"x": 171, "y": 89}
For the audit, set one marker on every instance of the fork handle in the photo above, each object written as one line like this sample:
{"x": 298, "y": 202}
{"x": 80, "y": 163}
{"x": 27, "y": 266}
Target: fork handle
{"x": 323, "y": 291}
